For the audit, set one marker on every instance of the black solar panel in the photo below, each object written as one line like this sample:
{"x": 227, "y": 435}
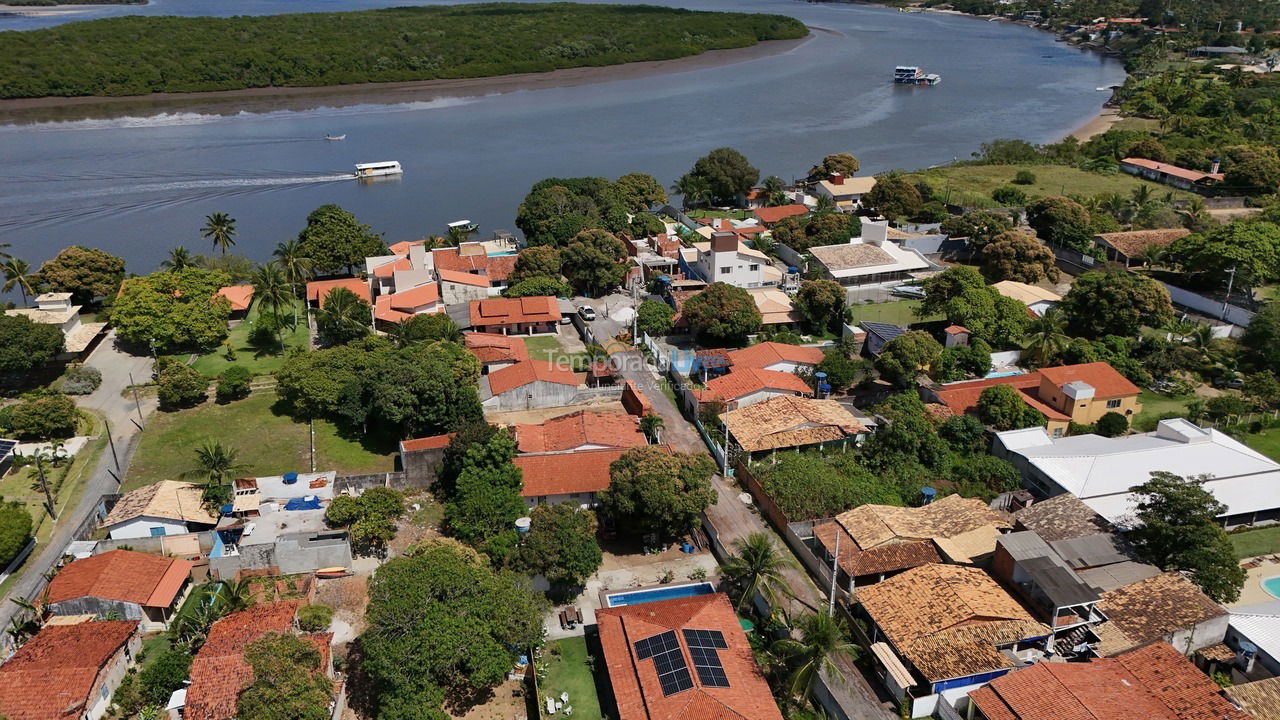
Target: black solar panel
{"x": 668, "y": 661}
{"x": 706, "y": 661}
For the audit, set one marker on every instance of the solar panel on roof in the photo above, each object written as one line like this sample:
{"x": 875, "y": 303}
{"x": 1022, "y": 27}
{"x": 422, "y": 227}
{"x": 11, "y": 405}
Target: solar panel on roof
{"x": 7, "y": 446}
{"x": 703, "y": 645}
{"x": 668, "y": 661}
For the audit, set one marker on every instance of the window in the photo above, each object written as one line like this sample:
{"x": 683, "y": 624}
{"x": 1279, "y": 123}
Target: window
{"x": 753, "y": 267}
{"x": 106, "y": 693}
{"x": 1113, "y": 404}
{"x": 1057, "y": 432}
{"x": 726, "y": 270}
{"x": 157, "y": 532}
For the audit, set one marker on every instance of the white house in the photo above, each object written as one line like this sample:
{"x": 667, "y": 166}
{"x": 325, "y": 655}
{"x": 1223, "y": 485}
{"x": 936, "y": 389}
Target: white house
{"x": 56, "y": 309}
{"x": 164, "y": 508}
{"x": 847, "y": 192}
{"x": 871, "y": 259}
{"x": 725, "y": 259}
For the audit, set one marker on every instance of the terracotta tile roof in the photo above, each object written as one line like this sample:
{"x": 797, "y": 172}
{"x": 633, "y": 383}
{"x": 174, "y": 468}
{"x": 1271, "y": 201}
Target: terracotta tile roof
{"x": 1260, "y": 699}
{"x": 1174, "y": 170}
{"x": 318, "y": 290}
{"x": 1131, "y": 243}
{"x": 124, "y": 576}
{"x": 947, "y": 620}
{"x": 495, "y": 347}
{"x": 1151, "y": 609}
{"x": 219, "y": 671}
{"x": 956, "y": 330}
{"x": 168, "y": 499}
{"x": 566, "y": 473}
{"x": 240, "y": 296}
{"x": 1178, "y": 684}
{"x": 414, "y": 298}
{"x": 883, "y": 559}
{"x": 583, "y": 427}
{"x": 494, "y": 268}
{"x": 382, "y": 310}
{"x": 435, "y": 442}
{"x": 1218, "y": 652}
{"x": 762, "y": 355}
{"x": 635, "y": 682}
{"x": 529, "y": 371}
{"x": 508, "y": 311}
{"x": 1106, "y": 382}
{"x": 962, "y": 397}
{"x": 1061, "y": 517}
{"x": 851, "y": 255}
{"x": 771, "y": 215}
{"x": 788, "y": 421}
{"x": 389, "y": 269}
{"x": 51, "y": 676}
{"x": 402, "y": 247}
{"x": 944, "y": 519}
{"x": 745, "y": 381}
{"x": 463, "y": 278}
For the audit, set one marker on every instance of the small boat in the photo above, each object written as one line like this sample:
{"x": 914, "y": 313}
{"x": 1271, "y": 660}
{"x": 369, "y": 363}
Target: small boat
{"x": 336, "y": 137}
{"x": 375, "y": 169}
{"x": 333, "y": 572}
{"x": 463, "y": 225}
{"x": 912, "y": 75}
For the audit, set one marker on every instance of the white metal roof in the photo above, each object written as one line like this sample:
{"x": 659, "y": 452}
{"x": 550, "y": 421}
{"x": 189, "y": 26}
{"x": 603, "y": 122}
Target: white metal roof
{"x": 1260, "y": 624}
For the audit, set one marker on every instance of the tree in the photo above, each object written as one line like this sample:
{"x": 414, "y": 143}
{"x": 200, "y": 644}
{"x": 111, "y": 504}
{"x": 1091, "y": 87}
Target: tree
{"x": 964, "y": 433}
{"x": 979, "y": 226}
{"x": 370, "y": 518}
{"x": 220, "y": 229}
{"x": 822, "y": 303}
{"x": 1253, "y": 171}
{"x": 1019, "y": 257}
{"x": 1046, "y": 337}
{"x": 179, "y": 384}
{"x": 344, "y": 317}
{"x": 651, "y": 425}
{"x": 164, "y": 674}
{"x": 215, "y": 463}
{"x": 1111, "y": 424}
{"x": 694, "y": 191}
{"x": 906, "y": 356}
{"x": 233, "y": 383}
{"x": 539, "y": 286}
{"x": 15, "y": 530}
{"x": 844, "y": 163}
{"x": 427, "y": 327}
{"x": 289, "y": 682}
{"x": 17, "y": 273}
{"x": 552, "y": 214}
{"x": 1061, "y": 221}
{"x": 964, "y": 361}
{"x": 640, "y": 191}
{"x": 722, "y": 313}
{"x": 1009, "y": 196}
{"x": 179, "y": 258}
{"x": 560, "y": 545}
{"x": 1024, "y": 177}
{"x": 653, "y": 492}
{"x": 485, "y": 500}
{"x": 655, "y": 318}
{"x": 1177, "y": 530}
{"x": 1262, "y": 337}
{"x": 440, "y": 618}
{"x": 536, "y": 262}
{"x": 756, "y": 567}
{"x": 811, "y": 650}
{"x": 335, "y": 241}
{"x": 173, "y": 310}
{"x": 271, "y": 289}
{"x": 594, "y": 261}
{"x": 294, "y": 262}
{"x": 646, "y": 225}
{"x": 1002, "y": 407}
{"x": 1115, "y": 302}
{"x": 809, "y": 486}
{"x": 802, "y": 233}
{"x": 1149, "y": 148}
{"x": 1249, "y": 249}
{"x": 727, "y": 174}
{"x": 42, "y": 415}
{"x": 84, "y": 272}
{"x": 842, "y": 370}
{"x": 26, "y": 345}
{"x": 894, "y": 197}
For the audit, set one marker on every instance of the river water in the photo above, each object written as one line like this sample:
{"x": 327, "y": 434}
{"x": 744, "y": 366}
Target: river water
{"x": 140, "y": 184}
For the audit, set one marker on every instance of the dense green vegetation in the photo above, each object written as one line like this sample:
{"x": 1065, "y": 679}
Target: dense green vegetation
{"x": 141, "y": 55}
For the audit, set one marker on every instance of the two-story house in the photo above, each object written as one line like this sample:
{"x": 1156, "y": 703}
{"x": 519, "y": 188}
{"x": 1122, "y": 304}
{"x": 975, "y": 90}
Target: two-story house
{"x": 726, "y": 259}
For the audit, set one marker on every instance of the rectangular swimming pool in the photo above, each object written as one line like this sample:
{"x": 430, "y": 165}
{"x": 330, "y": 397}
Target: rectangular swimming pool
{"x": 639, "y": 597}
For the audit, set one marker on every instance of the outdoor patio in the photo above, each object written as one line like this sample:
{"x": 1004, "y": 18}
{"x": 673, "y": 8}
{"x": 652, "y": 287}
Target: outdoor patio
{"x": 1259, "y": 569}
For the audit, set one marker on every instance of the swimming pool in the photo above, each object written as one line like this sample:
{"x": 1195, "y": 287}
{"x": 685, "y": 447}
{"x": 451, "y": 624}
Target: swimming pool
{"x": 639, "y": 597}
{"x": 1005, "y": 373}
{"x": 1272, "y": 585}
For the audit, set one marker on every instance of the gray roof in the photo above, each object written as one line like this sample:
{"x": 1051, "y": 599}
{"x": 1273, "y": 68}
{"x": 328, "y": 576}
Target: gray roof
{"x": 885, "y": 331}
{"x": 1062, "y": 586}
{"x": 1091, "y": 550}
{"x": 1061, "y": 517}
{"x": 1111, "y": 577}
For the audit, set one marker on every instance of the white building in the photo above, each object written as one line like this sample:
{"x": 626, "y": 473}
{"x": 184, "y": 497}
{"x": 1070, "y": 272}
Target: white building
{"x": 56, "y": 309}
{"x": 164, "y": 508}
{"x": 1100, "y": 471}
{"x": 1037, "y": 299}
{"x": 871, "y": 259}
{"x": 725, "y": 259}
{"x": 846, "y": 192}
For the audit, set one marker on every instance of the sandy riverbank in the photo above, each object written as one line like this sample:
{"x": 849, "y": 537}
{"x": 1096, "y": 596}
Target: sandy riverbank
{"x": 42, "y": 10}
{"x": 1098, "y": 125}
{"x": 229, "y": 102}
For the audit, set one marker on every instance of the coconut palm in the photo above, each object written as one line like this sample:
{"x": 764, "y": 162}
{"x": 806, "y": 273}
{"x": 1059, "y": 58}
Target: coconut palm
{"x": 17, "y": 273}
{"x": 651, "y": 425}
{"x": 220, "y": 228}
{"x": 694, "y": 189}
{"x": 1046, "y": 337}
{"x": 756, "y": 566}
{"x": 1194, "y": 213}
{"x": 1153, "y": 255}
{"x": 179, "y": 258}
{"x": 272, "y": 290}
{"x": 817, "y": 639}
{"x": 345, "y": 316}
{"x": 233, "y": 595}
{"x": 215, "y": 462}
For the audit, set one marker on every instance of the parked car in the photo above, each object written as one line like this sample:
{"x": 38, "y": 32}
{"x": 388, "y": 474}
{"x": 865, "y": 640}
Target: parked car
{"x": 565, "y": 319}
{"x": 587, "y": 313}
{"x": 1233, "y": 382}
{"x": 909, "y": 291}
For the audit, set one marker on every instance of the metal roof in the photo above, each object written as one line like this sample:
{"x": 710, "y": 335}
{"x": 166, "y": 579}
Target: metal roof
{"x": 1062, "y": 586}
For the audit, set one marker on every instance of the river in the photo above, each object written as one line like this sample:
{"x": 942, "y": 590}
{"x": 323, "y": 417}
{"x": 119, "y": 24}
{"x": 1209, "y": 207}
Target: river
{"x": 138, "y": 185}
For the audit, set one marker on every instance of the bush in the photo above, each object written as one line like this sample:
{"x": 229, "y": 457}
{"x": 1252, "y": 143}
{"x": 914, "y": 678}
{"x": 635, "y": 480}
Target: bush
{"x": 15, "y": 531}
{"x": 165, "y": 674}
{"x": 808, "y": 486}
{"x": 1112, "y": 424}
{"x": 43, "y": 415}
{"x": 315, "y": 618}
{"x": 233, "y": 383}
{"x": 1024, "y": 177}
{"x": 80, "y": 380}
{"x": 1009, "y": 196}
{"x": 179, "y": 384}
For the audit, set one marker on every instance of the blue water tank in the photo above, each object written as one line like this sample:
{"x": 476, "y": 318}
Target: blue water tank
{"x": 793, "y": 269}
{"x": 928, "y": 494}
{"x": 290, "y": 478}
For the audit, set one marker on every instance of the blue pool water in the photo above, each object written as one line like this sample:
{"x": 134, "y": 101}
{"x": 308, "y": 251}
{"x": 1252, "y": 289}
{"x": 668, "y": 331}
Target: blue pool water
{"x": 1272, "y": 585}
{"x": 640, "y": 597}
{"x": 1006, "y": 373}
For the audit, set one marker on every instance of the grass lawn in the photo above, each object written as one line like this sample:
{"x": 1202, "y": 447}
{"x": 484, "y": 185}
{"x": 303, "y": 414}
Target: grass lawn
{"x": 1266, "y": 442}
{"x": 268, "y": 441}
{"x": 898, "y": 312}
{"x": 1251, "y": 543}
{"x": 262, "y": 361}
{"x": 1155, "y": 404}
{"x": 542, "y": 347}
{"x": 569, "y": 672}
{"x": 972, "y": 184}
{"x": 21, "y": 484}
{"x": 153, "y": 647}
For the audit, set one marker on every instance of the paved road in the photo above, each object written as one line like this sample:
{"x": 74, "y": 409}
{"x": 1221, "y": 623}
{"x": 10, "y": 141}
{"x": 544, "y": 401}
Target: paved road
{"x": 121, "y": 412}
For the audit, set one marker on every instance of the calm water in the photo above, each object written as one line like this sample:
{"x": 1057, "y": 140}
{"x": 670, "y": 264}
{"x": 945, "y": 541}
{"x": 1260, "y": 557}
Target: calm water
{"x": 137, "y": 186}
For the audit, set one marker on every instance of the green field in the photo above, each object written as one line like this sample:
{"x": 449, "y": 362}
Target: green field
{"x": 898, "y": 312}
{"x": 971, "y": 185}
{"x": 268, "y": 442}
{"x": 568, "y": 671}
{"x": 1266, "y": 442}
{"x": 1251, "y": 543}
{"x": 262, "y": 361}
{"x": 1154, "y": 405}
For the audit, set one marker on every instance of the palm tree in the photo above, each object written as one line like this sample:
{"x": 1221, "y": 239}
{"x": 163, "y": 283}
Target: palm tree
{"x": 826, "y": 205}
{"x": 179, "y": 258}
{"x": 295, "y": 264}
{"x": 1153, "y": 255}
{"x": 820, "y": 641}
{"x": 234, "y": 595}
{"x": 651, "y": 425}
{"x": 1046, "y": 337}
{"x": 17, "y": 273}
{"x": 1194, "y": 213}
{"x": 694, "y": 189}
{"x": 272, "y": 290}
{"x": 456, "y": 236}
{"x": 221, "y": 229}
{"x": 215, "y": 462}
{"x": 344, "y": 313}
{"x": 756, "y": 567}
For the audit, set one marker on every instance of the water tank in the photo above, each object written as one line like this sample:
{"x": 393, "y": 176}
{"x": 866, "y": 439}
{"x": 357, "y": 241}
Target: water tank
{"x": 522, "y": 524}
{"x": 290, "y": 478}
{"x": 927, "y": 494}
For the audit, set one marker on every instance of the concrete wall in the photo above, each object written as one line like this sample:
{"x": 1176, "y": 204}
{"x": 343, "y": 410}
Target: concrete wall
{"x": 1209, "y": 632}
{"x": 98, "y": 606}
{"x": 537, "y": 394}
{"x": 457, "y": 293}
{"x": 99, "y": 699}
{"x": 304, "y": 554}
{"x": 1234, "y": 637}
{"x": 587, "y": 499}
{"x": 141, "y": 528}
{"x": 421, "y": 466}
{"x": 1208, "y": 306}
{"x": 163, "y": 545}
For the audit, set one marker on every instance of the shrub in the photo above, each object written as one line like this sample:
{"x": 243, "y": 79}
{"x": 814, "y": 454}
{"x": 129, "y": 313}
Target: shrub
{"x": 157, "y": 681}
{"x": 1024, "y": 177}
{"x": 80, "y": 380}
{"x": 1009, "y": 196}
{"x": 315, "y": 618}
{"x": 233, "y": 383}
{"x": 179, "y": 384}
{"x": 43, "y": 415}
{"x": 15, "y": 530}
{"x": 1112, "y": 424}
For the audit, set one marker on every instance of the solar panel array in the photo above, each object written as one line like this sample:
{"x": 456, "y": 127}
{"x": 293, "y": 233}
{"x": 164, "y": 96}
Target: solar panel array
{"x": 703, "y": 645}
{"x": 673, "y": 672}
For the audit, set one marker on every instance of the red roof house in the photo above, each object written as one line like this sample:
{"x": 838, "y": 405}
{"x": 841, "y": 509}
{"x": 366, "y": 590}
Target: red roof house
{"x": 495, "y": 351}
{"x": 582, "y": 430}
{"x": 539, "y": 314}
{"x": 67, "y": 672}
{"x": 139, "y": 586}
{"x": 559, "y": 477}
{"x": 683, "y": 658}
{"x": 771, "y": 215}
{"x": 318, "y": 290}
{"x": 744, "y": 386}
{"x": 240, "y": 296}
{"x": 775, "y": 356}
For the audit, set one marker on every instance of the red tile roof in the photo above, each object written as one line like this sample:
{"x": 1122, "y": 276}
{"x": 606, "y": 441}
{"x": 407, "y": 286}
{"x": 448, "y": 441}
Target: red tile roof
{"x": 1174, "y": 170}
{"x": 50, "y": 677}
{"x": 771, "y": 215}
{"x": 529, "y": 371}
{"x": 463, "y": 278}
{"x": 495, "y": 347}
{"x": 509, "y": 311}
{"x": 584, "y": 427}
{"x": 240, "y": 296}
{"x": 382, "y": 310}
{"x": 1106, "y": 382}
{"x": 962, "y": 397}
{"x": 956, "y": 329}
{"x": 1179, "y": 684}
{"x": 635, "y": 682}
{"x": 402, "y": 247}
{"x": 566, "y": 473}
{"x": 762, "y": 355}
{"x": 435, "y": 442}
{"x": 219, "y": 671}
{"x": 745, "y": 381}
{"x": 389, "y": 269}
{"x": 495, "y": 268}
{"x": 318, "y": 290}
{"x": 414, "y": 298}
{"x": 124, "y": 576}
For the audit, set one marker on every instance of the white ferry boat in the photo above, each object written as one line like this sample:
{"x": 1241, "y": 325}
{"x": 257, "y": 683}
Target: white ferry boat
{"x": 463, "y": 225}
{"x": 376, "y": 169}
{"x": 912, "y": 75}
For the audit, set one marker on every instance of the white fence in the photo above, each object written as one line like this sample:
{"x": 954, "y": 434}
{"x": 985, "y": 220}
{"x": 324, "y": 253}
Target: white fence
{"x": 1213, "y": 308}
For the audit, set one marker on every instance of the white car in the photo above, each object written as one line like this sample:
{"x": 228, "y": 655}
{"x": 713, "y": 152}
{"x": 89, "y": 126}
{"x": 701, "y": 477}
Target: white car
{"x": 587, "y": 313}
{"x": 910, "y": 291}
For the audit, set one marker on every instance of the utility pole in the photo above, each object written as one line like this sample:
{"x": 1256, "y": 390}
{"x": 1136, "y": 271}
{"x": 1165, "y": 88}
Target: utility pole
{"x": 112, "y": 441}
{"x": 136, "y": 401}
{"x": 835, "y": 557}
{"x": 1231, "y": 281}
